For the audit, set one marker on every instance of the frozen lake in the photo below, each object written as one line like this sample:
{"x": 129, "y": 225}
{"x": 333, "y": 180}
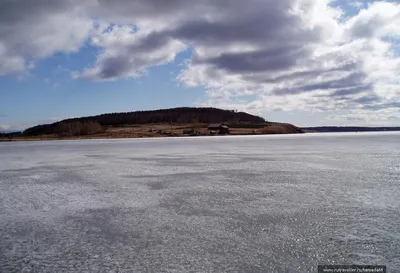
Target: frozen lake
{"x": 213, "y": 204}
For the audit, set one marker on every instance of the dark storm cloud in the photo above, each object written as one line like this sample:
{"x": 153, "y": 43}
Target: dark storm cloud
{"x": 126, "y": 9}
{"x": 307, "y": 75}
{"x": 129, "y": 59}
{"x": 278, "y": 58}
{"x": 267, "y": 26}
{"x": 153, "y": 41}
{"x": 352, "y": 90}
{"x": 113, "y": 67}
{"x": 382, "y": 106}
{"x": 21, "y": 10}
{"x": 354, "y": 80}
{"x": 367, "y": 99}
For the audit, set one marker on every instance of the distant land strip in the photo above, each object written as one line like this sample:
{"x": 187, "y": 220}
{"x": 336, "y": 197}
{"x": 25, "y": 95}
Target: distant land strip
{"x": 332, "y": 129}
{"x": 183, "y": 121}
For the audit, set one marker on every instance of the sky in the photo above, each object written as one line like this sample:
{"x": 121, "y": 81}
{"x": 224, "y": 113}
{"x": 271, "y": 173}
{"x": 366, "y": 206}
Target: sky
{"x": 306, "y": 62}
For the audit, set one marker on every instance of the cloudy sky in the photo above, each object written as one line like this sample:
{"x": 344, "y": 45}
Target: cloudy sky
{"x": 308, "y": 62}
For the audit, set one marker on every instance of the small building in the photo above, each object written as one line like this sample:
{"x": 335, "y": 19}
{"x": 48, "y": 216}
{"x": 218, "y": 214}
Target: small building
{"x": 190, "y": 132}
{"x": 221, "y": 128}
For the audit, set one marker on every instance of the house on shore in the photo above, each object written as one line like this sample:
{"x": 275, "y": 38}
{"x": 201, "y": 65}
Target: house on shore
{"x": 221, "y": 128}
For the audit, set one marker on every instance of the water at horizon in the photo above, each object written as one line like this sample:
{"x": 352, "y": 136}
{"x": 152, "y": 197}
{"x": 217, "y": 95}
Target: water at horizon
{"x": 202, "y": 204}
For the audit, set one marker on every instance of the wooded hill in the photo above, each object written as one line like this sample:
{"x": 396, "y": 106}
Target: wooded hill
{"x": 94, "y": 124}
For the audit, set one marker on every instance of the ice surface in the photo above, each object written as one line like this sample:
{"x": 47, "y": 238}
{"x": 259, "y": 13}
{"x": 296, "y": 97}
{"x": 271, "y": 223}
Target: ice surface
{"x": 214, "y": 204}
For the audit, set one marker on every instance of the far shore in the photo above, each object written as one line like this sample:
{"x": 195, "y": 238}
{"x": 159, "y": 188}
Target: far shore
{"x": 163, "y": 131}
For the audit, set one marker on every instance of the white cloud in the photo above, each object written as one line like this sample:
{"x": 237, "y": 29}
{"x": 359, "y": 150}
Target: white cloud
{"x": 10, "y": 63}
{"x": 357, "y": 4}
{"x": 40, "y": 28}
{"x": 4, "y": 127}
{"x": 256, "y": 55}
{"x": 354, "y": 69}
{"x": 127, "y": 53}
{"x": 379, "y": 20}
{"x": 381, "y": 117}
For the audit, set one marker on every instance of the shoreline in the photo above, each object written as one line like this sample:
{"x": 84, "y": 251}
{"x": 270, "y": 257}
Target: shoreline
{"x": 193, "y": 137}
{"x": 163, "y": 131}
{"x": 33, "y": 139}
